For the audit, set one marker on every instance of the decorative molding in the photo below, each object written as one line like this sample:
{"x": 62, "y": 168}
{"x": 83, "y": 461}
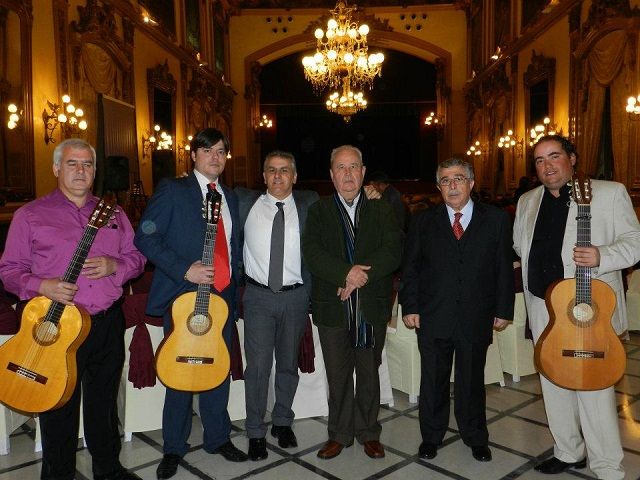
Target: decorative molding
{"x": 359, "y": 16}
{"x": 160, "y": 77}
{"x": 540, "y": 68}
{"x": 603, "y": 10}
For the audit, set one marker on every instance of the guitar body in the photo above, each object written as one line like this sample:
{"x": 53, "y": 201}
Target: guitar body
{"x": 194, "y": 356}
{"x": 579, "y": 349}
{"x": 38, "y": 369}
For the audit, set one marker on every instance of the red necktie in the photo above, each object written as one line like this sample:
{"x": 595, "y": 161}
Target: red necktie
{"x": 457, "y": 226}
{"x": 221, "y": 274}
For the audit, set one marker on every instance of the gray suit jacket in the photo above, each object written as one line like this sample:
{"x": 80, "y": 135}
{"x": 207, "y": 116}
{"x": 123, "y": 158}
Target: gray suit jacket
{"x": 303, "y": 198}
{"x": 614, "y": 230}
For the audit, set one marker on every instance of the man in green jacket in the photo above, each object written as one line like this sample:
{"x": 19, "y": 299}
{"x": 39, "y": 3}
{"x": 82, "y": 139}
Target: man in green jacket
{"x": 351, "y": 246}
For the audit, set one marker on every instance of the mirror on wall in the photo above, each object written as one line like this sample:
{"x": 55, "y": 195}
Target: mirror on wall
{"x": 16, "y": 119}
{"x": 162, "y": 112}
{"x": 539, "y": 84}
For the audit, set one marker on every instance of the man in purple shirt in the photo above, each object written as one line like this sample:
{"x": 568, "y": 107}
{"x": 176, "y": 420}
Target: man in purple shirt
{"x": 42, "y": 239}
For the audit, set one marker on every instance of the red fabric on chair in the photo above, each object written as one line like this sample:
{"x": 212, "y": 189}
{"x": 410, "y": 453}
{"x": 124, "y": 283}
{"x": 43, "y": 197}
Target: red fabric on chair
{"x": 9, "y": 318}
{"x": 237, "y": 368}
{"x": 141, "y": 361}
{"x": 307, "y": 353}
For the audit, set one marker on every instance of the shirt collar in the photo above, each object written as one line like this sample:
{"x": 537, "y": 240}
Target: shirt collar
{"x": 204, "y": 181}
{"x": 353, "y": 205}
{"x": 272, "y": 200}
{"x": 466, "y": 211}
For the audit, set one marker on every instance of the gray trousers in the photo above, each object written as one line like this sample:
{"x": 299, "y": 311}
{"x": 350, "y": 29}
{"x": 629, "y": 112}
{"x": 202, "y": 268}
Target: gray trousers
{"x": 272, "y": 322}
{"x": 352, "y": 413}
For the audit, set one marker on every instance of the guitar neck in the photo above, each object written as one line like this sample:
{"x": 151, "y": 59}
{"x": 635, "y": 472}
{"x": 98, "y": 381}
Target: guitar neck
{"x": 73, "y": 270}
{"x": 204, "y": 289}
{"x": 583, "y": 274}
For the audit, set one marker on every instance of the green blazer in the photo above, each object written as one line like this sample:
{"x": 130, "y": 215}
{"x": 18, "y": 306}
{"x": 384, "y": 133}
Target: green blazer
{"x": 323, "y": 248}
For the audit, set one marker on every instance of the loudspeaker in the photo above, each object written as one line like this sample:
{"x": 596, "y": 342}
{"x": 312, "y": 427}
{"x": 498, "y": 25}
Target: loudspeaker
{"x": 116, "y": 174}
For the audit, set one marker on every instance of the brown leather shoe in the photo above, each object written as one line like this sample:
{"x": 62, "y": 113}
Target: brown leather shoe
{"x": 374, "y": 449}
{"x": 330, "y": 449}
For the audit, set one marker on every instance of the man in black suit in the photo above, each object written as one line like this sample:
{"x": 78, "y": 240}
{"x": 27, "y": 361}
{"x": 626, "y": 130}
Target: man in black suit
{"x": 457, "y": 285}
{"x": 172, "y": 235}
{"x": 276, "y": 297}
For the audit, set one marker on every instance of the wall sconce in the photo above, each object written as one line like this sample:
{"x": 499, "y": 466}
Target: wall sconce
{"x": 184, "y": 149}
{"x": 229, "y": 155}
{"x": 14, "y": 116}
{"x": 265, "y": 122}
{"x": 147, "y": 19}
{"x": 434, "y": 120}
{"x": 633, "y": 108}
{"x": 497, "y": 54}
{"x": 66, "y": 115}
{"x": 477, "y": 148}
{"x": 540, "y": 130}
{"x": 156, "y": 140}
{"x": 511, "y": 140}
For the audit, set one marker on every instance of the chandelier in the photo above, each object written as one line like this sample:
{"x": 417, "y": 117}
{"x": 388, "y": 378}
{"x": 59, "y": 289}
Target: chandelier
{"x": 347, "y": 104}
{"x": 547, "y": 127}
{"x": 342, "y": 52}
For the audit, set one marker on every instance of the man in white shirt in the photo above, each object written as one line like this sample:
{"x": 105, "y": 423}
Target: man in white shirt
{"x": 276, "y": 298}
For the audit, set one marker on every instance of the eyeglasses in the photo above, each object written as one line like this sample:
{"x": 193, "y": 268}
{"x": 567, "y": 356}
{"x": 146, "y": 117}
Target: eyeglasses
{"x": 446, "y": 181}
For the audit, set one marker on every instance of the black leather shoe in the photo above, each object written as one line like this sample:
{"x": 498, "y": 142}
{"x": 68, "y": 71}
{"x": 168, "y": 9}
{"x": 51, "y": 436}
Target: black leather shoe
{"x": 481, "y": 453}
{"x": 168, "y": 466}
{"x": 121, "y": 474}
{"x": 552, "y": 466}
{"x": 257, "y": 449}
{"x": 286, "y": 437}
{"x": 231, "y": 453}
{"x": 427, "y": 450}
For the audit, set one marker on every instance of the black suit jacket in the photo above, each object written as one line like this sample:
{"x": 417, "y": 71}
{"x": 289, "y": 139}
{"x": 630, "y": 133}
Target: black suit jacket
{"x": 458, "y": 286}
{"x": 303, "y": 199}
{"x": 171, "y": 235}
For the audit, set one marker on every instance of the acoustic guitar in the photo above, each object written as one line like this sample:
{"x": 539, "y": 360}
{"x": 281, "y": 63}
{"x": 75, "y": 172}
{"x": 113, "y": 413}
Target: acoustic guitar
{"x": 194, "y": 356}
{"x": 579, "y": 349}
{"x": 38, "y": 365}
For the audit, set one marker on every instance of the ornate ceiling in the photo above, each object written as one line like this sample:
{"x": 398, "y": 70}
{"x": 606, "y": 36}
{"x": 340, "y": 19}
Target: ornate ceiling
{"x": 290, "y": 4}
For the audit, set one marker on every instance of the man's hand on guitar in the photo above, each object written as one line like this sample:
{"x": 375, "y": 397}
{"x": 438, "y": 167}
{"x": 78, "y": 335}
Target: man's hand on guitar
{"x": 98, "y": 267}
{"x": 412, "y": 320}
{"x": 199, "y": 273}
{"x": 500, "y": 324}
{"x": 58, "y": 291}
{"x": 586, "y": 256}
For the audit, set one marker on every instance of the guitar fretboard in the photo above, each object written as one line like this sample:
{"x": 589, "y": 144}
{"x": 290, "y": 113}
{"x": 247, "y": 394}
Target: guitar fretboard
{"x": 54, "y": 313}
{"x": 204, "y": 289}
{"x": 583, "y": 274}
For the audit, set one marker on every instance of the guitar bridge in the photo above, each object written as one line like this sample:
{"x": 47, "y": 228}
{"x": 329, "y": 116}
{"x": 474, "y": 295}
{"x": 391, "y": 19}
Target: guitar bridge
{"x": 194, "y": 360}
{"x": 582, "y": 353}
{"x": 26, "y": 373}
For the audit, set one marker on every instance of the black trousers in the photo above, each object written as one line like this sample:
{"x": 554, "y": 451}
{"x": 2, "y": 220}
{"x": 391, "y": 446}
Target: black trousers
{"x": 352, "y": 414}
{"x": 100, "y": 359}
{"x": 436, "y": 357}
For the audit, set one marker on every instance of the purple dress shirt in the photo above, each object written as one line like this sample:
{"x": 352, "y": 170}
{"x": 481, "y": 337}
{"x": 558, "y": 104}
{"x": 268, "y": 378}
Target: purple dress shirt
{"x": 44, "y": 235}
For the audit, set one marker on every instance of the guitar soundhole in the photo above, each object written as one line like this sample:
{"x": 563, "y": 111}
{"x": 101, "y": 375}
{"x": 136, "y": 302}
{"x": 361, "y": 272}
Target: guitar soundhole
{"x": 199, "y": 324}
{"x": 582, "y": 314}
{"x": 46, "y": 333}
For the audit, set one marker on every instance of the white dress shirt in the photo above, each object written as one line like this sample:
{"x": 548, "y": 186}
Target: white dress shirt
{"x": 467, "y": 213}
{"x": 351, "y": 209}
{"x": 257, "y": 240}
{"x": 226, "y": 213}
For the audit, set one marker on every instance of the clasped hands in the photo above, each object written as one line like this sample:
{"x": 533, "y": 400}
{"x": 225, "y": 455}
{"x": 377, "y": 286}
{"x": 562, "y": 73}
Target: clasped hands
{"x": 356, "y": 278}
{"x": 63, "y": 292}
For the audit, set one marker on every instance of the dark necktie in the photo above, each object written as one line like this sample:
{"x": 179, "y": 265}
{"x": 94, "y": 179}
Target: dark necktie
{"x": 276, "y": 257}
{"x": 457, "y": 226}
{"x": 221, "y": 274}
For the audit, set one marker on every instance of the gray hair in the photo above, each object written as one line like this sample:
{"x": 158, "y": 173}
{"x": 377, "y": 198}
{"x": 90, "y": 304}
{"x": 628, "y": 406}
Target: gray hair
{"x": 455, "y": 162}
{"x": 75, "y": 143}
{"x": 280, "y": 154}
{"x": 342, "y": 148}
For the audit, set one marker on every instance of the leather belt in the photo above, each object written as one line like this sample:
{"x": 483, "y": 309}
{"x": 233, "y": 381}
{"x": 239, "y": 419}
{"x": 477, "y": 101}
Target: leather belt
{"x": 285, "y": 288}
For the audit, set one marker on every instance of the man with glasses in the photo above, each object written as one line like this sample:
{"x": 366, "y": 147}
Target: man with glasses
{"x": 351, "y": 246}
{"x": 457, "y": 286}
{"x": 172, "y": 235}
